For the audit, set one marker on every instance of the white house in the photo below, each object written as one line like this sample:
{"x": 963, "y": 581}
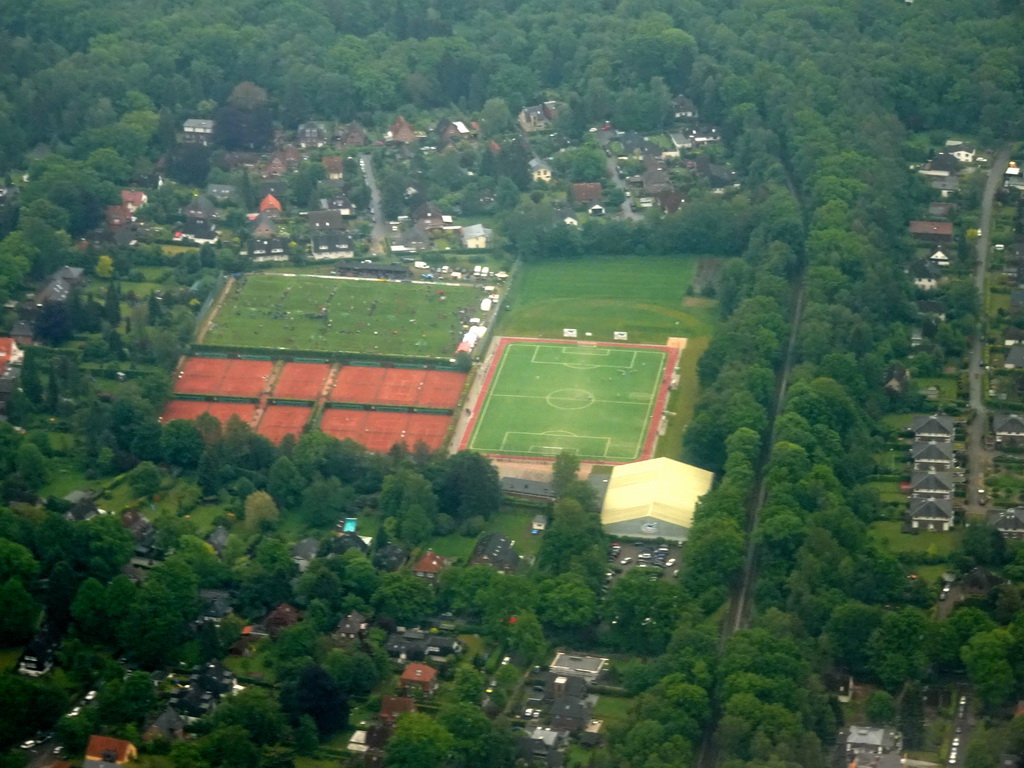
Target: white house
{"x": 476, "y": 236}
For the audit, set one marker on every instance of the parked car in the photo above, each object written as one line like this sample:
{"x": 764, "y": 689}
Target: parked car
{"x": 626, "y": 561}
{"x": 670, "y": 562}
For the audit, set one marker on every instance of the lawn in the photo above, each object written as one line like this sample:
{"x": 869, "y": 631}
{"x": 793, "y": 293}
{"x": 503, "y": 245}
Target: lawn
{"x": 9, "y": 658}
{"x": 642, "y": 295}
{"x": 887, "y": 534}
{"x": 598, "y": 401}
{"x": 682, "y": 402}
{"x": 339, "y": 314}
{"x": 613, "y": 710}
{"x": 945, "y": 386}
{"x": 512, "y": 521}
{"x": 889, "y": 491}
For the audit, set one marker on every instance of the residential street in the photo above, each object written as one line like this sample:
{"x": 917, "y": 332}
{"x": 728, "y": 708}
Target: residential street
{"x": 977, "y": 455}
{"x": 627, "y": 207}
{"x": 380, "y": 227}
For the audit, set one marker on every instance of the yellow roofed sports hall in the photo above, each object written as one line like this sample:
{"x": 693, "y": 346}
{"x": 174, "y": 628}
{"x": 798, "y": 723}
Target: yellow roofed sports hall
{"x": 653, "y": 499}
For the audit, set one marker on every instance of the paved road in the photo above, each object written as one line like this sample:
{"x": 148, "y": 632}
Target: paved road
{"x": 627, "y": 207}
{"x": 380, "y": 226}
{"x": 977, "y": 456}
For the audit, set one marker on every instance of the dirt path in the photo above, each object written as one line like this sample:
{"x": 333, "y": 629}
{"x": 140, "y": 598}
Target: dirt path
{"x": 214, "y": 310}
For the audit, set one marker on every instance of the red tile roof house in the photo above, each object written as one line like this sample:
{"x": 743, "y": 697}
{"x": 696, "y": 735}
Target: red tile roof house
{"x": 104, "y": 749}
{"x": 429, "y": 566}
{"x": 133, "y": 199}
{"x": 936, "y": 232}
{"x": 419, "y": 677}
{"x": 393, "y": 706}
{"x": 586, "y": 194}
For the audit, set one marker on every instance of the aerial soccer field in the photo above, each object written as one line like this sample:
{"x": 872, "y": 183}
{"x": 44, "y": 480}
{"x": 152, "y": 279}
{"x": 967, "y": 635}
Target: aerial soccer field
{"x": 601, "y": 401}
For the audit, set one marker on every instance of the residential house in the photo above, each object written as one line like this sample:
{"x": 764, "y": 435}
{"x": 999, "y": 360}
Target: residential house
{"x": 570, "y": 714}
{"x": 390, "y": 557}
{"x": 198, "y": 232}
{"x": 330, "y": 245}
{"x": 400, "y": 132}
{"x": 338, "y": 202}
{"x": 271, "y": 205}
{"x": 305, "y": 552}
{"x": 198, "y": 131}
{"x": 133, "y": 199}
{"x": 267, "y": 249}
{"x": 961, "y": 150}
{"x": 142, "y": 530}
{"x": 414, "y": 240}
{"x": 932, "y": 455}
{"x": 937, "y": 485}
{"x": 276, "y": 187}
{"x": 939, "y": 259}
{"x": 587, "y": 193}
{"x": 221, "y": 192}
{"x": 932, "y": 232}
{"x": 930, "y": 514}
{"x": 347, "y": 540}
{"x": 1008, "y": 428}
{"x": 681, "y": 141}
{"x": 37, "y": 657}
{"x": 350, "y": 135}
{"x": 497, "y": 551}
{"x": 312, "y": 134}
{"x": 451, "y": 130}
{"x": 418, "y": 677}
{"x": 416, "y": 645}
{"x": 979, "y": 582}
{"x": 391, "y": 707}
{"x": 539, "y": 523}
{"x": 23, "y": 333}
{"x": 476, "y": 236}
{"x": 1013, "y": 336}
{"x": 937, "y": 427}
{"x": 429, "y": 566}
{"x": 944, "y": 162}
{"x": 946, "y": 185}
{"x": 264, "y": 225}
{"x": 897, "y": 377}
{"x": 325, "y": 221}
{"x": 60, "y": 285}
{"x": 1017, "y": 300}
{"x": 215, "y": 604}
{"x": 1014, "y": 359}
{"x": 683, "y": 108}
{"x": 10, "y": 353}
{"x": 545, "y": 746}
{"x": 106, "y": 749}
{"x": 670, "y": 200}
{"x": 557, "y": 685}
{"x": 1009, "y": 522}
{"x": 81, "y": 510}
{"x": 926, "y": 275}
{"x": 596, "y": 210}
{"x": 865, "y": 740}
{"x": 428, "y": 216}
{"x": 538, "y": 117}
{"x": 200, "y": 208}
{"x": 587, "y": 667}
{"x": 168, "y": 725}
{"x": 352, "y": 627}
{"x": 280, "y": 618}
{"x": 940, "y": 210}
{"x": 540, "y": 170}
{"x": 334, "y": 167}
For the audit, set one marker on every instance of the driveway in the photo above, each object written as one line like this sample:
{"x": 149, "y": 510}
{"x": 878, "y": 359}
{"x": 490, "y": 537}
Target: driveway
{"x": 627, "y": 211}
{"x": 978, "y": 457}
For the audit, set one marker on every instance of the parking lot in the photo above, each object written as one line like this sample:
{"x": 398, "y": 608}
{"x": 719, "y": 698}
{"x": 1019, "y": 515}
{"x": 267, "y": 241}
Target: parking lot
{"x": 630, "y": 556}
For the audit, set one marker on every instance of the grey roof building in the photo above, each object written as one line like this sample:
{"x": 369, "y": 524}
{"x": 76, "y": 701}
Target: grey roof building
{"x": 936, "y": 427}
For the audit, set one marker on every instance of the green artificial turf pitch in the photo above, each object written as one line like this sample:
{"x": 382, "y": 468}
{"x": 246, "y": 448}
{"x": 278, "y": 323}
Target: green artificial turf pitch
{"x": 597, "y": 401}
{"x": 368, "y": 316}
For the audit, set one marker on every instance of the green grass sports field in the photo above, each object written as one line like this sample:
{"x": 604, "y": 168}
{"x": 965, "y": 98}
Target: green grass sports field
{"x": 343, "y": 315}
{"x": 544, "y": 398}
{"x": 646, "y": 296}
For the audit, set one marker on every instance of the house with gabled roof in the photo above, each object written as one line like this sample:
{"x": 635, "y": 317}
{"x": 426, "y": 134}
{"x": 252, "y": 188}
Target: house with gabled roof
{"x": 538, "y": 117}
{"x": 497, "y": 551}
{"x": 221, "y": 191}
{"x": 934, "y": 427}
{"x": 350, "y": 135}
{"x": 264, "y": 225}
{"x": 107, "y": 749}
{"x": 198, "y": 131}
{"x": 326, "y": 221}
{"x": 587, "y": 193}
{"x": 1009, "y": 522}
{"x": 540, "y": 170}
{"x": 476, "y": 236}
{"x": 1008, "y": 427}
{"x": 429, "y": 566}
{"x": 933, "y": 232}
{"x": 419, "y": 677}
{"x": 168, "y": 725}
{"x": 195, "y": 231}
{"x": 400, "y": 132}
{"x": 930, "y": 514}
{"x": 200, "y": 208}
{"x": 330, "y": 245}
{"x": 266, "y": 249}
{"x": 305, "y": 552}
{"x": 271, "y": 204}
{"x": 334, "y": 166}
{"x": 352, "y": 627}
{"x": 925, "y": 274}
{"x": 282, "y": 617}
{"x": 932, "y": 484}
{"x": 391, "y": 707}
{"x": 932, "y": 455}
{"x": 311, "y": 134}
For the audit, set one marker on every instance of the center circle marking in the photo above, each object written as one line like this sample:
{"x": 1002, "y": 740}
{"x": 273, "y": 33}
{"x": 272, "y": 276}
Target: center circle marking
{"x": 570, "y": 399}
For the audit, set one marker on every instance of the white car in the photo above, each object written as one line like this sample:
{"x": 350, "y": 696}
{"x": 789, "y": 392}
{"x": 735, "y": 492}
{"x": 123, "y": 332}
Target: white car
{"x": 29, "y": 744}
{"x": 670, "y": 562}
{"x": 74, "y": 712}
{"x": 956, "y": 742}
{"x": 90, "y": 695}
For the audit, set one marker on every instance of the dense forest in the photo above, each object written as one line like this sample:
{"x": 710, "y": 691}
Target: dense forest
{"x": 823, "y": 105}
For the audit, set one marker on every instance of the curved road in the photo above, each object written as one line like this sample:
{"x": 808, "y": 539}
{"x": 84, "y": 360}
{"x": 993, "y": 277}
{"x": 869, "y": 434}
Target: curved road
{"x": 977, "y": 455}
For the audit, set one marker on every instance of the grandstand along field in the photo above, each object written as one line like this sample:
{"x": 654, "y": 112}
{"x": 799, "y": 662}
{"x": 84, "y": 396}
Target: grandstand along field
{"x": 332, "y": 314}
{"x": 600, "y": 401}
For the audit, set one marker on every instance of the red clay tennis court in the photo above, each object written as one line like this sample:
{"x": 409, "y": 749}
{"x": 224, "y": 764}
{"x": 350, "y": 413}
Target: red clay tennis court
{"x": 379, "y": 430}
{"x": 398, "y": 386}
{"x": 281, "y": 420}
{"x": 190, "y": 409}
{"x": 221, "y": 376}
{"x": 301, "y": 381}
